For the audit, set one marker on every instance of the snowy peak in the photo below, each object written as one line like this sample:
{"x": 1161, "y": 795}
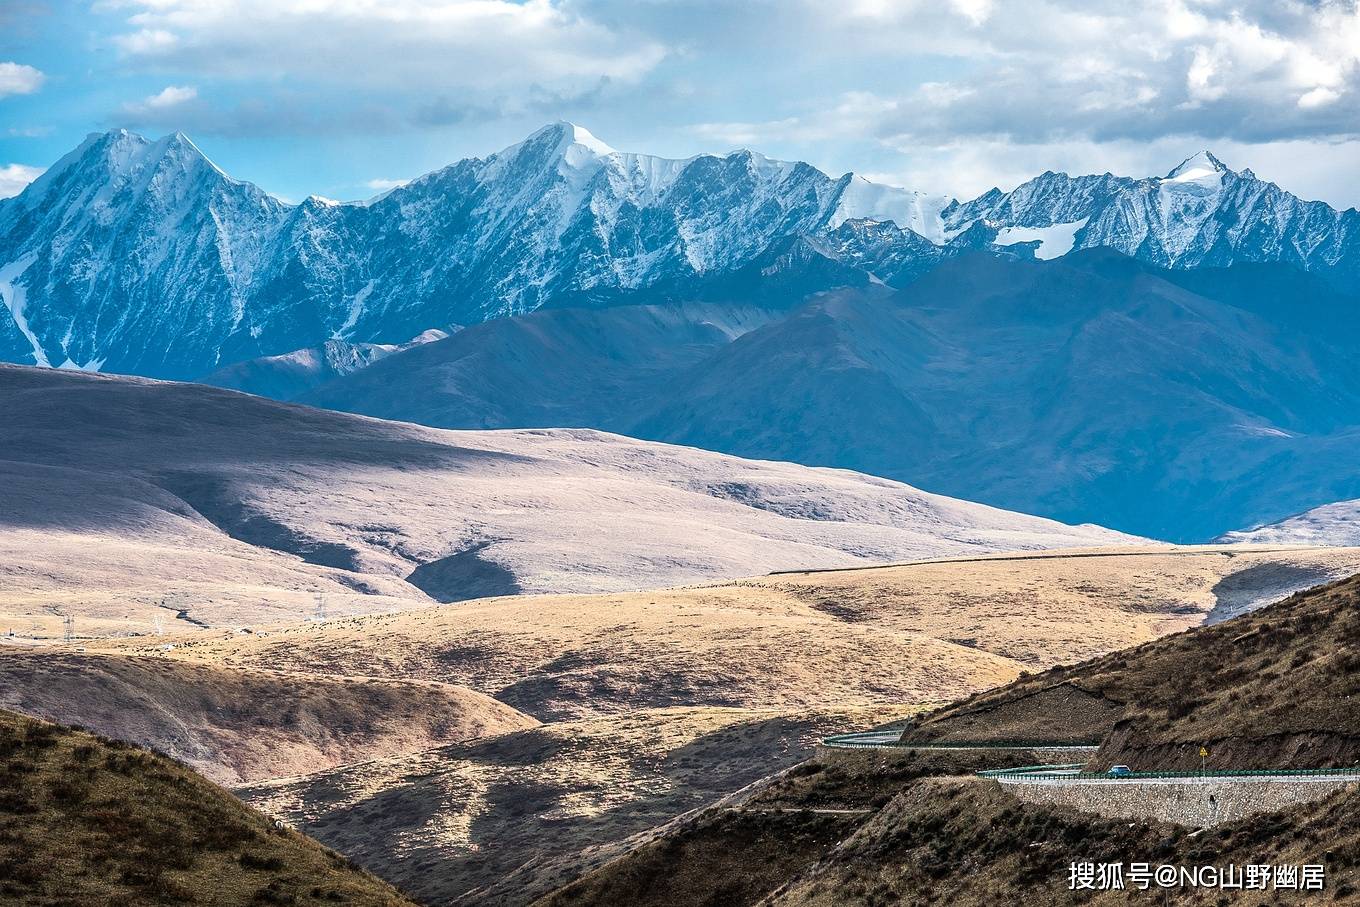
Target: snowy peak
{"x": 572, "y": 134}
{"x": 1197, "y": 166}
{"x": 560, "y": 141}
{"x": 106, "y": 163}
{"x": 123, "y": 153}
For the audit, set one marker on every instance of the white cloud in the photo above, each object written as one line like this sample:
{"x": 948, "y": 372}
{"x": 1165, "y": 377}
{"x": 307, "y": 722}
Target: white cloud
{"x": 1318, "y": 97}
{"x": 418, "y": 47}
{"x": 1203, "y": 81}
{"x": 1055, "y": 70}
{"x": 170, "y": 96}
{"x": 853, "y": 113}
{"x": 950, "y": 95}
{"x": 382, "y": 185}
{"x": 16, "y": 78}
{"x": 146, "y": 41}
{"x": 749, "y": 133}
{"x": 14, "y": 177}
{"x": 166, "y": 103}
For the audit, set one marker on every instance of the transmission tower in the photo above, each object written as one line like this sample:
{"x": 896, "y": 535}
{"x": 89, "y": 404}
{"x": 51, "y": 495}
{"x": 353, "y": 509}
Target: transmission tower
{"x": 69, "y": 622}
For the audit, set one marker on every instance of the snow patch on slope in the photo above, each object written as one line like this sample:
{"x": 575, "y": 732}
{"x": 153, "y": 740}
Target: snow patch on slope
{"x": 13, "y": 297}
{"x": 1198, "y": 168}
{"x": 71, "y": 365}
{"x": 1333, "y": 525}
{"x": 356, "y": 310}
{"x": 916, "y": 211}
{"x": 1054, "y": 242}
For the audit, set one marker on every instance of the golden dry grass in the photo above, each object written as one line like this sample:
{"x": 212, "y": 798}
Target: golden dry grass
{"x": 118, "y": 585}
{"x": 913, "y": 633}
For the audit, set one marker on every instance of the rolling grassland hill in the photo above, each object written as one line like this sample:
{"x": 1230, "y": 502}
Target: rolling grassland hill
{"x": 661, "y": 703}
{"x": 921, "y": 632}
{"x": 130, "y": 501}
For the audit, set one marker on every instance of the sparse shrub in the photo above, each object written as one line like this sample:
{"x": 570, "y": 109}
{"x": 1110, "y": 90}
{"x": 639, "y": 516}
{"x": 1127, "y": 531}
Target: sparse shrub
{"x": 1179, "y": 706}
{"x": 14, "y": 798}
{"x": 41, "y": 736}
{"x": 66, "y": 792}
{"x": 259, "y": 861}
{"x": 273, "y": 893}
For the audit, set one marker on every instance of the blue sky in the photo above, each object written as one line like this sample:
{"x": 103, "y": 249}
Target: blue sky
{"x": 341, "y": 98}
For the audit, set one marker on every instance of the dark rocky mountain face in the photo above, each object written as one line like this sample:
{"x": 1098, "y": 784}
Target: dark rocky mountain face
{"x": 1171, "y": 404}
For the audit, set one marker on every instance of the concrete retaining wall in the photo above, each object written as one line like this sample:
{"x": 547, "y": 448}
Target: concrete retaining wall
{"x": 1185, "y": 801}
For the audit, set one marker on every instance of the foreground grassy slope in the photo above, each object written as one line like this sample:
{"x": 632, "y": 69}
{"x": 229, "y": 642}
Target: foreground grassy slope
{"x": 88, "y": 821}
{"x": 917, "y": 829}
{"x": 966, "y": 842}
{"x": 1273, "y": 689}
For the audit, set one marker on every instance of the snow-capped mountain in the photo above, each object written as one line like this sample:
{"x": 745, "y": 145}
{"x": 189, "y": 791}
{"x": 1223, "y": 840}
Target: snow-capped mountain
{"x": 131, "y": 255}
{"x": 1201, "y": 214}
{"x": 141, "y": 256}
{"x": 290, "y": 374}
{"x": 138, "y": 256}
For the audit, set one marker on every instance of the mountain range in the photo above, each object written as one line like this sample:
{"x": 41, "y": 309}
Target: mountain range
{"x": 142, "y": 257}
{"x": 1177, "y": 404}
{"x": 1171, "y": 357}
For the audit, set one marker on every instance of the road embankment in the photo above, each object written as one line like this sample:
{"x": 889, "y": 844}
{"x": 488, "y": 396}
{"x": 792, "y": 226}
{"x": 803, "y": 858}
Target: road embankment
{"x": 1197, "y": 802}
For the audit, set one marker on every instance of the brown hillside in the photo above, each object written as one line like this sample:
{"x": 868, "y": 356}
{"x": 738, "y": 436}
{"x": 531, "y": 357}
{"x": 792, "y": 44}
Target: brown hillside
{"x": 916, "y": 829}
{"x": 914, "y": 633}
{"x": 503, "y": 820}
{"x": 1274, "y": 689}
{"x": 237, "y": 725}
{"x": 88, "y": 821}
